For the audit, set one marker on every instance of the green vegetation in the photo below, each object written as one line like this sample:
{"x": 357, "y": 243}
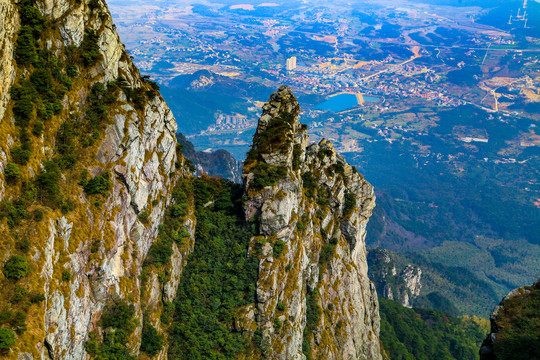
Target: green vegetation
{"x": 36, "y": 297}
{"x": 89, "y": 49}
{"x": 452, "y": 289}
{"x": 350, "y": 203}
{"x": 435, "y": 300}
{"x": 19, "y": 294}
{"x": 151, "y": 341}
{"x": 418, "y": 334}
{"x": 266, "y": 175}
{"x": 14, "y": 211}
{"x": 219, "y": 277}
{"x": 21, "y": 154}
{"x": 99, "y": 185}
{"x": 16, "y": 320}
{"x": 479, "y": 198}
{"x": 119, "y": 321}
{"x": 172, "y": 230}
{"x": 12, "y": 172}
{"x": 310, "y": 183}
{"x": 7, "y": 339}
{"x": 297, "y": 152}
{"x": 313, "y": 316}
{"x": 66, "y": 144}
{"x": 327, "y": 251}
{"x": 279, "y": 246}
{"x": 16, "y": 267}
{"x": 518, "y": 322}
{"x": 277, "y": 137}
{"x": 32, "y": 25}
{"x": 37, "y": 96}
{"x": 48, "y": 182}
{"x": 100, "y": 97}
{"x": 66, "y": 276}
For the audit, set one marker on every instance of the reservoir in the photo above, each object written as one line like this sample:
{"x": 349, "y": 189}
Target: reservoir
{"x": 368, "y": 98}
{"x": 344, "y": 101}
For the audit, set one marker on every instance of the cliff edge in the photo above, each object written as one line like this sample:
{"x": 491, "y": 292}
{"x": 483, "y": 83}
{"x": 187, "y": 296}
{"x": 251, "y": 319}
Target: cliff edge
{"x": 314, "y": 298}
{"x": 515, "y": 326}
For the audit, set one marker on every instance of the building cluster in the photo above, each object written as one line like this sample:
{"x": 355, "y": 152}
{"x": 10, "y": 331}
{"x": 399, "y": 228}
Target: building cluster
{"x": 231, "y": 122}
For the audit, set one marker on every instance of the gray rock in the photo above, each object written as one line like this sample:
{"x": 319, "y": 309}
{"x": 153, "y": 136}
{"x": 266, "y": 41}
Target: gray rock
{"x": 343, "y": 281}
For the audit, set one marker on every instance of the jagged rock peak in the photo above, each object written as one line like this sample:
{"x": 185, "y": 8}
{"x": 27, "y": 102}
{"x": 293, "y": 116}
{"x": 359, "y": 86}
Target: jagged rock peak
{"x": 312, "y": 210}
{"x": 282, "y": 102}
{"x": 278, "y": 130}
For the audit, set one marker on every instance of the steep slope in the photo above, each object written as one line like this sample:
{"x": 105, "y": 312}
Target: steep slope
{"x": 515, "y": 326}
{"x": 414, "y": 281}
{"x": 313, "y": 297}
{"x": 88, "y": 162}
{"x": 403, "y": 288}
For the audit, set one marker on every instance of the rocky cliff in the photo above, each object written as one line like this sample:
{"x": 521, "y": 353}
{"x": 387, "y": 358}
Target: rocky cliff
{"x": 515, "y": 326}
{"x": 403, "y": 287}
{"x": 314, "y": 298}
{"x": 88, "y": 161}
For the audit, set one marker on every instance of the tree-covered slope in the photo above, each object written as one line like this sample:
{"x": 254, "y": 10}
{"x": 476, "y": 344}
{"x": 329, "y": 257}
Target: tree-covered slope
{"x": 423, "y": 334}
{"x": 515, "y": 327}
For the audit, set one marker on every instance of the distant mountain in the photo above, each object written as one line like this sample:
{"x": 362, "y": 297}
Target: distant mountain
{"x": 216, "y": 163}
{"x": 196, "y": 98}
{"x": 204, "y": 80}
{"x": 414, "y": 281}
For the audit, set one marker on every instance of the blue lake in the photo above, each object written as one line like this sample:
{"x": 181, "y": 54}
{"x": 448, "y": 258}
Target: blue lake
{"x": 343, "y": 102}
{"x": 338, "y": 103}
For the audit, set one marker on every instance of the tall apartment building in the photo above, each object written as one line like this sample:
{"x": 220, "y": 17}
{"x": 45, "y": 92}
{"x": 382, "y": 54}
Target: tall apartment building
{"x": 291, "y": 63}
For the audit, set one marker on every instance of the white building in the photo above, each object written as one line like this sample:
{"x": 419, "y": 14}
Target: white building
{"x": 291, "y": 63}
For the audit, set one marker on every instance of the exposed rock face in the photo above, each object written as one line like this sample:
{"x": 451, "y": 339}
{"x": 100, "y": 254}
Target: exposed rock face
{"x": 314, "y": 296}
{"x": 403, "y": 287}
{"x": 514, "y": 326}
{"x": 102, "y": 244}
{"x": 9, "y": 26}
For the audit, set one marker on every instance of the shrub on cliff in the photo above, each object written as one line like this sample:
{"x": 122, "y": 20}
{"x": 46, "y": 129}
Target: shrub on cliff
{"x": 16, "y": 267}
{"x": 7, "y": 339}
{"x": 100, "y": 184}
{"x": 266, "y": 175}
{"x": 89, "y": 48}
{"x": 48, "y": 180}
{"x": 350, "y": 203}
{"x": 151, "y": 341}
{"x": 118, "y": 322}
{"x": 519, "y": 324}
{"x": 25, "y": 52}
{"x": 12, "y": 172}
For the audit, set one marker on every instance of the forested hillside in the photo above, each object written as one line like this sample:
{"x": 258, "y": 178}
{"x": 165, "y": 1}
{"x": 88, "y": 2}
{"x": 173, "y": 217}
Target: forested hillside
{"x": 424, "y": 334}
